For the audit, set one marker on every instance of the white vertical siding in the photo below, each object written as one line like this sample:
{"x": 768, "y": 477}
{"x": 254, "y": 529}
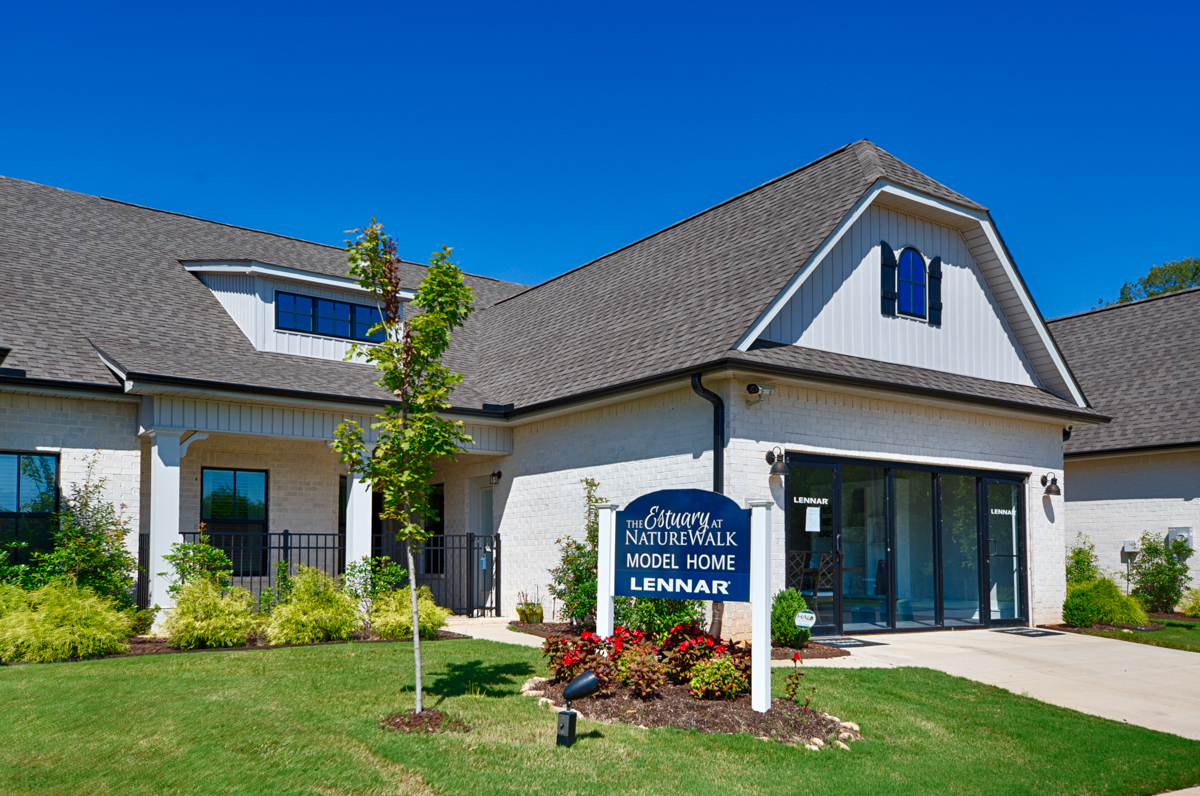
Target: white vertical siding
{"x": 838, "y": 307}
{"x": 237, "y": 296}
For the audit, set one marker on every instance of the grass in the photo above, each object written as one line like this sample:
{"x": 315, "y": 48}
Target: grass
{"x": 1178, "y": 634}
{"x": 304, "y": 720}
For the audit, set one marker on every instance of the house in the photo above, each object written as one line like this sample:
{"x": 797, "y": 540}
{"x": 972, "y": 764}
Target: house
{"x": 855, "y": 317}
{"x": 1141, "y": 472}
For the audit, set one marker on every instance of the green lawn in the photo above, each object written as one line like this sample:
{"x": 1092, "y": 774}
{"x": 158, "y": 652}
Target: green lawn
{"x": 304, "y": 721}
{"x": 1178, "y": 634}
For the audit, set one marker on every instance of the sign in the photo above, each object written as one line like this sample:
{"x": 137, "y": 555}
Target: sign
{"x": 683, "y": 544}
{"x": 805, "y": 619}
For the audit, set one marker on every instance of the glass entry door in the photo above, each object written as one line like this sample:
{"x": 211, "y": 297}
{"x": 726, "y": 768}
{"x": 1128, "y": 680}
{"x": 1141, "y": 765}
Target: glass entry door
{"x": 1003, "y": 559}
{"x": 813, "y": 560}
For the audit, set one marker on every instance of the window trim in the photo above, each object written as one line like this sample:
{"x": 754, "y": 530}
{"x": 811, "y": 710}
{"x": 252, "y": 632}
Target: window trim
{"x": 38, "y": 515}
{"x": 900, "y": 281}
{"x": 314, "y": 299}
{"x": 215, "y": 526}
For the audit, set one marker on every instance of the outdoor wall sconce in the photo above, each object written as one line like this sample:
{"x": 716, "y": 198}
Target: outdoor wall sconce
{"x": 494, "y": 478}
{"x": 1050, "y": 481}
{"x": 775, "y": 458}
{"x": 582, "y": 686}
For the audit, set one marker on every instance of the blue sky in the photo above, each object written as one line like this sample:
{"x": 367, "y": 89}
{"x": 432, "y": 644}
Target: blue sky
{"x": 533, "y": 138}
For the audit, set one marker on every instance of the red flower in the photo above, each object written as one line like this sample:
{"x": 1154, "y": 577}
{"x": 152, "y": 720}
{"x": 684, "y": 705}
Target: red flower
{"x": 796, "y": 657}
{"x": 708, "y": 641}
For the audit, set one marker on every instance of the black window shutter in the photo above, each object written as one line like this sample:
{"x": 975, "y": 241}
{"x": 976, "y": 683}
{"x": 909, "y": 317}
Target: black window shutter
{"x": 935, "y": 292}
{"x": 887, "y": 275}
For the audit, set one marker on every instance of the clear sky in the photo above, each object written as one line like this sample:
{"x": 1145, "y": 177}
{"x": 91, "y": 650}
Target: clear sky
{"x": 533, "y": 138}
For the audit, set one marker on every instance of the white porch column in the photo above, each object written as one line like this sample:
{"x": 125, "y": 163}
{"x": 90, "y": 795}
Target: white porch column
{"x": 358, "y": 518}
{"x": 164, "y": 511}
{"x": 760, "y": 604}
{"x": 605, "y": 570}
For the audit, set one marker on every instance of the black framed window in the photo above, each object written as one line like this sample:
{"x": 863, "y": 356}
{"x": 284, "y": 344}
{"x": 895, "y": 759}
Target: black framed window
{"x": 233, "y": 507}
{"x": 28, "y": 502}
{"x": 326, "y": 317}
{"x": 912, "y": 283}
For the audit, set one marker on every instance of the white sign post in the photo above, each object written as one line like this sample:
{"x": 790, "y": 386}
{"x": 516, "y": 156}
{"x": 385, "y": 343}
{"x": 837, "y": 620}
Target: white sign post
{"x": 606, "y": 549}
{"x": 760, "y": 605}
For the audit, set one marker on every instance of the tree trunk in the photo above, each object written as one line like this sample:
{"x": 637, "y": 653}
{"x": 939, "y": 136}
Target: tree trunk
{"x": 416, "y": 631}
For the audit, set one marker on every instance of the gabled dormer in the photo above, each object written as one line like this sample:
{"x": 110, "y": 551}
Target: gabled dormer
{"x": 288, "y": 311}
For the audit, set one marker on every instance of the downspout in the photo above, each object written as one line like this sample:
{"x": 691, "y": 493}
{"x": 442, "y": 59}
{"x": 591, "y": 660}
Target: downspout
{"x": 718, "y": 432}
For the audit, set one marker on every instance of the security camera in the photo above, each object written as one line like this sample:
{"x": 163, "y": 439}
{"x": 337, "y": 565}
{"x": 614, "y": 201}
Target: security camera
{"x": 765, "y": 389}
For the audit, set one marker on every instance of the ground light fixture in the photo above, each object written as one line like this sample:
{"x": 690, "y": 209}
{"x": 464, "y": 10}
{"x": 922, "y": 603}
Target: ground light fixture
{"x": 494, "y": 478}
{"x": 581, "y": 687}
{"x": 775, "y": 458}
{"x": 1050, "y": 481}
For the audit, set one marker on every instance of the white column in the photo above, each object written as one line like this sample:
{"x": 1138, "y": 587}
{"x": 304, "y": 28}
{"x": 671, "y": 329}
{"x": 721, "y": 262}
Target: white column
{"x": 164, "y": 511}
{"x": 358, "y": 518}
{"x": 760, "y": 604}
{"x": 604, "y": 569}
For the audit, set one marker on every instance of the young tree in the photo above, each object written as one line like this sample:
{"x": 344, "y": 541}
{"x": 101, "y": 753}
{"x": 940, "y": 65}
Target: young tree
{"x": 411, "y": 435}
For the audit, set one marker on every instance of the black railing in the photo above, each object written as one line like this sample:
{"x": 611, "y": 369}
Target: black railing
{"x": 143, "y": 580}
{"x": 256, "y": 557}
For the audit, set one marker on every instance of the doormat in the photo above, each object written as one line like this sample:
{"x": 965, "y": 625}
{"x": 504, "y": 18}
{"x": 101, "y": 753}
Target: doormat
{"x": 1031, "y": 632}
{"x": 842, "y": 642}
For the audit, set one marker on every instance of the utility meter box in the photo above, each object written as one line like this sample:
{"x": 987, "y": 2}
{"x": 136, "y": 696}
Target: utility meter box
{"x": 1132, "y": 546}
{"x": 1184, "y": 534}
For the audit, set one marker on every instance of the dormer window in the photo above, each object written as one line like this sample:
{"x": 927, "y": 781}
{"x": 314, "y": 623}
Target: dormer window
{"x": 296, "y": 313}
{"x": 912, "y": 283}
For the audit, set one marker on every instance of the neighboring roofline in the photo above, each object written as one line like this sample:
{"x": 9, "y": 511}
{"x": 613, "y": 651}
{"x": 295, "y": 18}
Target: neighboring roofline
{"x": 257, "y": 268}
{"x": 1141, "y": 450}
{"x": 670, "y": 227}
{"x": 1119, "y": 306}
{"x": 983, "y": 218}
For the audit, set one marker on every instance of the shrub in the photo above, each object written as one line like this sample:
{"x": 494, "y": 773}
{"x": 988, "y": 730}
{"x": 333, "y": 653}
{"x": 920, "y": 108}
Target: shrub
{"x": 143, "y": 620}
{"x": 1081, "y": 561}
{"x": 784, "y": 608}
{"x": 638, "y": 667}
{"x": 198, "y": 560}
{"x": 89, "y": 544}
{"x": 654, "y": 616}
{"x": 62, "y": 620}
{"x": 1159, "y": 574}
{"x": 12, "y": 598}
{"x": 569, "y": 658}
{"x": 684, "y": 646}
{"x": 204, "y": 616}
{"x": 1100, "y": 601}
{"x": 315, "y": 611}
{"x": 573, "y": 581}
{"x": 372, "y": 577}
{"x": 717, "y": 678}
{"x": 1189, "y": 605}
{"x": 391, "y": 614}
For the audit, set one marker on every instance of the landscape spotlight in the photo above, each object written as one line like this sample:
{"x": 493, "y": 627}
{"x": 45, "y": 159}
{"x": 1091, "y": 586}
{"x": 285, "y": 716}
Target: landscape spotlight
{"x": 581, "y": 687}
{"x": 1050, "y": 481}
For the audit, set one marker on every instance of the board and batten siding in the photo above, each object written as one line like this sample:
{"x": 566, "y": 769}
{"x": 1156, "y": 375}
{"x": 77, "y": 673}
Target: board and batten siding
{"x": 250, "y": 301}
{"x": 838, "y": 307}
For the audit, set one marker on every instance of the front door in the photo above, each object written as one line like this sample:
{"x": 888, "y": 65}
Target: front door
{"x": 1002, "y": 555}
{"x": 813, "y": 555}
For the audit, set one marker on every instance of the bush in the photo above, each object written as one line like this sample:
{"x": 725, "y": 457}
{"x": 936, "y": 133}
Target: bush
{"x": 1100, "y": 601}
{"x": 12, "y": 598}
{"x": 372, "y": 577}
{"x": 204, "y": 616}
{"x": 1159, "y": 574}
{"x": 684, "y": 646}
{"x": 1189, "y": 605}
{"x": 1081, "y": 561}
{"x": 573, "y": 581}
{"x": 717, "y": 678}
{"x": 315, "y": 611}
{"x": 391, "y": 614}
{"x": 654, "y": 616}
{"x": 639, "y": 667}
{"x": 198, "y": 560}
{"x": 143, "y": 620}
{"x": 784, "y": 608}
{"x": 62, "y": 620}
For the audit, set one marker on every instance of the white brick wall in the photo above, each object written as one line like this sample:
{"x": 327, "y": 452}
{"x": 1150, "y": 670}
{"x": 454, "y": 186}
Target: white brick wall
{"x": 1111, "y": 500}
{"x": 78, "y": 430}
{"x": 665, "y": 442}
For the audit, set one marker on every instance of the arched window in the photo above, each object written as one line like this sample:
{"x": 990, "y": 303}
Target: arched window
{"x": 912, "y": 283}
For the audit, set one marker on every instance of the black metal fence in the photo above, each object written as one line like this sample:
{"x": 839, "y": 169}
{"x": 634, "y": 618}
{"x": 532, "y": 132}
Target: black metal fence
{"x": 143, "y": 582}
{"x": 462, "y": 570}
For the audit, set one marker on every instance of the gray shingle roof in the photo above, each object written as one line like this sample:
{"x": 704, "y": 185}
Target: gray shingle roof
{"x": 98, "y": 273}
{"x": 1139, "y": 364}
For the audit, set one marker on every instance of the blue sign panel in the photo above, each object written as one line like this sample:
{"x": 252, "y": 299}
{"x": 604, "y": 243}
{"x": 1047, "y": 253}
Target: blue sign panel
{"x": 683, "y": 544}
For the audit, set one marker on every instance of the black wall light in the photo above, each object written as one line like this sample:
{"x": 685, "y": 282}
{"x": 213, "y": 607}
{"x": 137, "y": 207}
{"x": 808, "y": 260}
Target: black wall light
{"x": 494, "y": 478}
{"x": 582, "y": 686}
{"x": 775, "y": 458}
{"x": 1050, "y": 481}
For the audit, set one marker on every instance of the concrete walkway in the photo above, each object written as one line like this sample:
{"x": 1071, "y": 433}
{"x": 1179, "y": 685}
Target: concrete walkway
{"x": 1150, "y": 686}
{"x": 491, "y": 629}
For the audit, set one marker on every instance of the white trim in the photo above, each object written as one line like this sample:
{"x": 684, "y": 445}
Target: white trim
{"x": 1163, "y": 451}
{"x": 989, "y": 230}
{"x": 280, "y": 272}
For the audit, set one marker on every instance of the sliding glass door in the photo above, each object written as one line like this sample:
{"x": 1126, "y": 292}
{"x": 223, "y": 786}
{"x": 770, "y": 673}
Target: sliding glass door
{"x": 878, "y": 546}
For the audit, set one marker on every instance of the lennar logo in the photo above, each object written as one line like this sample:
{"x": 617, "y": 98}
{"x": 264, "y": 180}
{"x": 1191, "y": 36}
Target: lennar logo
{"x": 811, "y": 501}
{"x": 1009, "y": 512}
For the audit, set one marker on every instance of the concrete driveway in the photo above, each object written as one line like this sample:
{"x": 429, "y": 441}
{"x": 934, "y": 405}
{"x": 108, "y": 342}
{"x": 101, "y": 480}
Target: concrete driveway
{"x": 1120, "y": 680}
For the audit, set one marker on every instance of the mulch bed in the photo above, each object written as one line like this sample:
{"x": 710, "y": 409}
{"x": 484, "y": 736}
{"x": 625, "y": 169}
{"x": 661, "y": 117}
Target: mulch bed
{"x": 810, "y": 651}
{"x": 785, "y": 722}
{"x": 427, "y": 721}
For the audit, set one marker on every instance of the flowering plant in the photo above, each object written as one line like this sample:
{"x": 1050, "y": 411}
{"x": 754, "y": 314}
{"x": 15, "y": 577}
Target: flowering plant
{"x": 686, "y": 645}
